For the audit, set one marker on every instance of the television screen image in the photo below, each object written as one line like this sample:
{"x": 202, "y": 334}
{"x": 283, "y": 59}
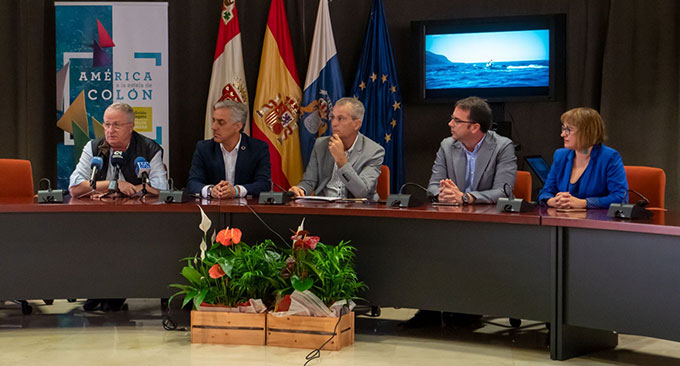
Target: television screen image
{"x": 500, "y": 59}
{"x": 488, "y": 59}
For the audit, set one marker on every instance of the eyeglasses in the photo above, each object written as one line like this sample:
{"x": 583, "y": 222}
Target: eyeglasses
{"x": 115, "y": 126}
{"x": 458, "y": 121}
{"x": 566, "y": 130}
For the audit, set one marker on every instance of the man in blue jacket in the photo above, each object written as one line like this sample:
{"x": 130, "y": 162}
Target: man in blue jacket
{"x": 231, "y": 164}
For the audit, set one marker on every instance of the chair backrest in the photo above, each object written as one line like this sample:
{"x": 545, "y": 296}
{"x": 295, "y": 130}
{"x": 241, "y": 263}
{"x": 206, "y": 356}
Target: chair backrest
{"x": 522, "y": 185}
{"x": 16, "y": 178}
{"x": 648, "y": 181}
{"x": 383, "y": 188}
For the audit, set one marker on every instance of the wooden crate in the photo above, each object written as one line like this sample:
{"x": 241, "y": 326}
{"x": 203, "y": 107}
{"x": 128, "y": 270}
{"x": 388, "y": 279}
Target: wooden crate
{"x": 228, "y": 328}
{"x": 310, "y": 332}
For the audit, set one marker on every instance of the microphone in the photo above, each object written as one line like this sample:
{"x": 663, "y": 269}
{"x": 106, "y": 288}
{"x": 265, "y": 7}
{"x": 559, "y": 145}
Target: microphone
{"x": 172, "y": 195}
{"x": 117, "y": 159}
{"x": 97, "y": 163}
{"x": 275, "y": 198}
{"x": 49, "y": 195}
{"x": 142, "y": 169}
{"x": 638, "y": 210}
{"x": 407, "y": 200}
{"x": 510, "y": 203}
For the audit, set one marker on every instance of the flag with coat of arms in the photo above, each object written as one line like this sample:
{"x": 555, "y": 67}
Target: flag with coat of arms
{"x": 228, "y": 80}
{"x": 323, "y": 84}
{"x": 276, "y": 109}
{"x": 376, "y": 85}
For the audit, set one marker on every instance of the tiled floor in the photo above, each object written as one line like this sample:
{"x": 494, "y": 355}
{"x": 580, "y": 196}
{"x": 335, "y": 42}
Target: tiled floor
{"x": 62, "y": 334}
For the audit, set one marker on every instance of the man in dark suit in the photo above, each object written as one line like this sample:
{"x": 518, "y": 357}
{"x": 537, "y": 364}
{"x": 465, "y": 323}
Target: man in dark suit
{"x": 231, "y": 164}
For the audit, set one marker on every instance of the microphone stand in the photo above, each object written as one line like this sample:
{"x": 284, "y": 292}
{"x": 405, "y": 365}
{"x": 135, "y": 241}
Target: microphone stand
{"x": 113, "y": 185}
{"x": 145, "y": 178}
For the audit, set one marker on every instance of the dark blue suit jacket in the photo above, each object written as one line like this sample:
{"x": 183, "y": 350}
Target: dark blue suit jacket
{"x": 602, "y": 183}
{"x": 253, "y": 169}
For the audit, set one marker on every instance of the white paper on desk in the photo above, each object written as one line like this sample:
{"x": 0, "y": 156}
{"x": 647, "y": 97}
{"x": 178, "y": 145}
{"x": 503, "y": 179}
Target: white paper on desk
{"x": 317, "y": 198}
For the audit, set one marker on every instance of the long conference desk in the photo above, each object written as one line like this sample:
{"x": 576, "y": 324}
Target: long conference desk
{"x": 588, "y": 275}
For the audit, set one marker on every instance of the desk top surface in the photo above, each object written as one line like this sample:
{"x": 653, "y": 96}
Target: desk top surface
{"x": 663, "y": 222}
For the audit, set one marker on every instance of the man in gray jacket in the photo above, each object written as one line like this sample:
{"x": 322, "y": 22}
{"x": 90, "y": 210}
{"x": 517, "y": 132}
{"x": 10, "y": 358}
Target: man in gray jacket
{"x": 346, "y": 164}
{"x": 474, "y": 165}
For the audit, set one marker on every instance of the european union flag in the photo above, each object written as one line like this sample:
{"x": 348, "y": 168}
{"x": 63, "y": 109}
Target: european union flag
{"x": 323, "y": 84}
{"x": 377, "y": 87}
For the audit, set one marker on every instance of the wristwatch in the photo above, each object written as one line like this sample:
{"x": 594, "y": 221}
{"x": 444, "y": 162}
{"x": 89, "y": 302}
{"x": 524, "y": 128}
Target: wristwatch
{"x": 466, "y": 198}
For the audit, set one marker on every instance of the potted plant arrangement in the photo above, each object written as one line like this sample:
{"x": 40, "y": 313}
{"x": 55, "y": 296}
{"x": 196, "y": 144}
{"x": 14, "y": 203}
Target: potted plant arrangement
{"x": 309, "y": 287}
{"x": 323, "y": 283}
{"x": 231, "y": 285}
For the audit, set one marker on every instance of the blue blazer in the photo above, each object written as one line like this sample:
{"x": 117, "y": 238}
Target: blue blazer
{"x": 602, "y": 183}
{"x": 253, "y": 169}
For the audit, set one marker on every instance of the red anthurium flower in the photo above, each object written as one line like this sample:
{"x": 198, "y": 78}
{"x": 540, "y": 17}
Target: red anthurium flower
{"x": 228, "y": 236}
{"x": 236, "y": 235}
{"x": 221, "y": 237}
{"x": 301, "y": 240}
{"x": 216, "y": 271}
{"x": 310, "y": 241}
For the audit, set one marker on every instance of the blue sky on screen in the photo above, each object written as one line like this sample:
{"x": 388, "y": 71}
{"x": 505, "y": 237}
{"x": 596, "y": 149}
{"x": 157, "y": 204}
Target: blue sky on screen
{"x": 498, "y": 46}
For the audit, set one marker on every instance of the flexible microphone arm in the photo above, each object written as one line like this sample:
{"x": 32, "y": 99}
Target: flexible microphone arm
{"x": 639, "y": 195}
{"x": 505, "y": 191}
{"x": 277, "y": 186}
{"x": 401, "y": 190}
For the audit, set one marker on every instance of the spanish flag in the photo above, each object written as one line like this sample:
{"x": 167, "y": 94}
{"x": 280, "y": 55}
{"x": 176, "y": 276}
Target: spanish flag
{"x": 277, "y": 100}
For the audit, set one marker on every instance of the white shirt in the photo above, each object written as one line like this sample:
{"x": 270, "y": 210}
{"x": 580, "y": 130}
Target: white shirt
{"x": 335, "y": 187}
{"x": 82, "y": 173}
{"x": 229, "y": 158}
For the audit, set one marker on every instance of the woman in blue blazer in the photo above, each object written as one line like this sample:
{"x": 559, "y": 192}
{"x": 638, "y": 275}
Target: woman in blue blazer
{"x": 585, "y": 173}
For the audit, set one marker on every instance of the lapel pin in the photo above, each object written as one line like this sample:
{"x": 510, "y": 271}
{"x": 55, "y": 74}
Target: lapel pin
{"x": 243, "y": 148}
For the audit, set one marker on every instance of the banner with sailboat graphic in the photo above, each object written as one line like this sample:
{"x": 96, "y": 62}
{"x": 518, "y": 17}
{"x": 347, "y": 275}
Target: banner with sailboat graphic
{"x": 109, "y": 52}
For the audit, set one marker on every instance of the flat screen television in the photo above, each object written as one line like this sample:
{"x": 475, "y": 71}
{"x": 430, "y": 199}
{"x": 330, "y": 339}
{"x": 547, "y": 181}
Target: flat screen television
{"x": 501, "y": 59}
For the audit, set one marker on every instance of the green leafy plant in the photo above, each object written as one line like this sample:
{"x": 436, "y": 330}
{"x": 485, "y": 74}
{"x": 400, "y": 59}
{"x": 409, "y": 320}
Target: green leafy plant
{"x": 326, "y": 270}
{"x": 334, "y": 275}
{"x": 231, "y": 272}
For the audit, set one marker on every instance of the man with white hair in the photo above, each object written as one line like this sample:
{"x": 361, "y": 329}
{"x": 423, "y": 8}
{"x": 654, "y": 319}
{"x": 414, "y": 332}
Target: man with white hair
{"x": 119, "y": 135}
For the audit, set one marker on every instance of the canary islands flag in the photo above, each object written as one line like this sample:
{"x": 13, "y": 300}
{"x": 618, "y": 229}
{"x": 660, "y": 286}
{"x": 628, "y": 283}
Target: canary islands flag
{"x": 277, "y": 100}
{"x": 323, "y": 84}
{"x": 377, "y": 87}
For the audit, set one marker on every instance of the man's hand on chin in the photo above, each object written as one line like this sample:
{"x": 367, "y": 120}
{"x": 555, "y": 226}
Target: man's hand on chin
{"x": 337, "y": 150}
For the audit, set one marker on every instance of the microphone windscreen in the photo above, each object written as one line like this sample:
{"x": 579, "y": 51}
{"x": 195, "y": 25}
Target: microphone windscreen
{"x": 141, "y": 166}
{"x": 117, "y": 158}
{"x": 97, "y": 162}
